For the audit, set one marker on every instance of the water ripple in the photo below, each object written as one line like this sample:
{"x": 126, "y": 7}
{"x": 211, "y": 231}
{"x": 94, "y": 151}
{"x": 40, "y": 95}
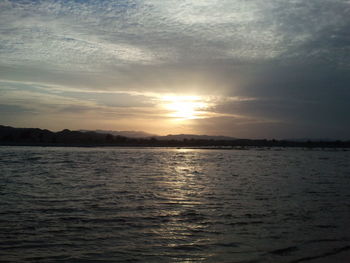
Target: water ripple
{"x": 173, "y": 205}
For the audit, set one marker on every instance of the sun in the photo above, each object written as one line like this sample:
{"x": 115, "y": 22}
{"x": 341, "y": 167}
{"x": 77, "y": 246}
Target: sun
{"x": 185, "y": 107}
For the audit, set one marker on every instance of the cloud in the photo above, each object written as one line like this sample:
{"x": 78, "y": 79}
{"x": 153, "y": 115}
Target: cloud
{"x": 90, "y": 36}
{"x": 290, "y": 57}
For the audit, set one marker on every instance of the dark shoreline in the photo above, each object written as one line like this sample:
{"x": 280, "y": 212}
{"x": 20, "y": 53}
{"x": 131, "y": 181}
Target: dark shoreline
{"x": 10, "y": 136}
{"x": 237, "y": 148}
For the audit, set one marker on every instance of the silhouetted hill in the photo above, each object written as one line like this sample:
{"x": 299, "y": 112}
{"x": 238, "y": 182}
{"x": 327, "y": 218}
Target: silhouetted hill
{"x": 130, "y": 134}
{"x": 308, "y": 139}
{"x": 195, "y": 137}
{"x": 39, "y": 136}
{"x": 34, "y": 136}
{"x": 141, "y": 134}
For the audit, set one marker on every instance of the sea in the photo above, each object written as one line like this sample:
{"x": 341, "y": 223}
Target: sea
{"x": 110, "y": 204}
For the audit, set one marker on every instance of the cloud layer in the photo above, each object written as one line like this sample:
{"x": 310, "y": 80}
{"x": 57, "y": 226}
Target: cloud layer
{"x": 273, "y": 69}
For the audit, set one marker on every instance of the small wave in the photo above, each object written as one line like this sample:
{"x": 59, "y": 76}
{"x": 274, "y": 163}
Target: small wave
{"x": 246, "y": 223}
{"x": 255, "y": 215}
{"x": 326, "y": 226}
{"x": 230, "y": 244}
{"x": 327, "y": 240}
{"x": 327, "y": 254}
{"x": 35, "y": 245}
{"x": 54, "y": 210}
{"x": 188, "y": 247}
{"x": 284, "y": 251}
{"x": 34, "y": 158}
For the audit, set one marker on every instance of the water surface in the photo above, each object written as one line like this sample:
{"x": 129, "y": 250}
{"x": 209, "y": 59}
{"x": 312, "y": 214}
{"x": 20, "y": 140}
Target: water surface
{"x": 173, "y": 205}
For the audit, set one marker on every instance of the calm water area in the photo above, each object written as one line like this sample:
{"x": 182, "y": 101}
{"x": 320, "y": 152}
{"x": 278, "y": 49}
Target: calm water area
{"x": 173, "y": 205}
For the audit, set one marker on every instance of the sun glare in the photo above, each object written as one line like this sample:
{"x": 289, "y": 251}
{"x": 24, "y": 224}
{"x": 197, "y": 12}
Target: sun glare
{"x": 185, "y": 107}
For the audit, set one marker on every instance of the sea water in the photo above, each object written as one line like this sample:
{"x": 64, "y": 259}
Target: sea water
{"x": 173, "y": 205}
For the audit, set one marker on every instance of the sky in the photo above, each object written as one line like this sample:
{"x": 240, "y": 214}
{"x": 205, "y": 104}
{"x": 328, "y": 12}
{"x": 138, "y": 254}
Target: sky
{"x": 242, "y": 68}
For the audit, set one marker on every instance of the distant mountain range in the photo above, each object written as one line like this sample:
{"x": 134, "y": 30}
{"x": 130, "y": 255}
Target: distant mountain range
{"x": 141, "y": 134}
{"x": 308, "y": 139}
{"x": 195, "y": 137}
{"x": 40, "y": 137}
{"x": 130, "y": 134}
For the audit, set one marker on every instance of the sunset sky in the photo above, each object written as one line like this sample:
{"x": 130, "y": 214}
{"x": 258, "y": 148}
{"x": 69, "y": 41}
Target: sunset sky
{"x": 242, "y": 68}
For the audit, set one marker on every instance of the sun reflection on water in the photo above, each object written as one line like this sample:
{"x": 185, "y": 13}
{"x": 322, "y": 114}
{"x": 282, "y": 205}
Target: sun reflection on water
{"x": 182, "y": 193}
